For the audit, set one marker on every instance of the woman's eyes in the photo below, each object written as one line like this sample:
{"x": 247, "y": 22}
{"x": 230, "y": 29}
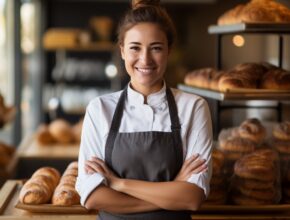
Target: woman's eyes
{"x": 153, "y": 48}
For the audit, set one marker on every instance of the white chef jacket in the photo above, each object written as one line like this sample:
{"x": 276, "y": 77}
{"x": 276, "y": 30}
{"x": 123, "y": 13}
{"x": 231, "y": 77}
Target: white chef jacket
{"x": 194, "y": 116}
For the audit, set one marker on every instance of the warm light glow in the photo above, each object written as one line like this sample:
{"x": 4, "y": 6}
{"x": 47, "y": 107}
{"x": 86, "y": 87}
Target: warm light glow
{"x": 28, "y": 27}
{"x": 111, "y": 70}
{"x": 238, "y": 41}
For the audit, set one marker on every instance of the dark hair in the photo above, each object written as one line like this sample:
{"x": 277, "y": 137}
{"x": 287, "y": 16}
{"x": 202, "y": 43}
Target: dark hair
{"x": 147, "y": 11}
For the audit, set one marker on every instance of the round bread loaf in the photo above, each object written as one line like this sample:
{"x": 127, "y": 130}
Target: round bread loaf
{"x": 256, "y": 166}
{"x": 61, "y": 131}
{"x": 43, "y": 136}
{"x": 253, "y": 130}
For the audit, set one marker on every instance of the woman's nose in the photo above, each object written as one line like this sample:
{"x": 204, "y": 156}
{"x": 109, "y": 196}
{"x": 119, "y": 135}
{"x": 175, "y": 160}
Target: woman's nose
{"x": 145, "y": 57}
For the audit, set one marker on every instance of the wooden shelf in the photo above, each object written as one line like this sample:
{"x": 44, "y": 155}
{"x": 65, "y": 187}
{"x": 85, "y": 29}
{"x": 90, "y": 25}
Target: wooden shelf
{"x": 30, "y": 149}
{"x": 236, "y": 95}
{"x": 95, "y": 46}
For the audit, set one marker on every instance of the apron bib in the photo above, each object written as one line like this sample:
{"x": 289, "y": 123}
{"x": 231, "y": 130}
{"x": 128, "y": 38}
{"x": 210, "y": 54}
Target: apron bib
{"x": 150, "y": 156}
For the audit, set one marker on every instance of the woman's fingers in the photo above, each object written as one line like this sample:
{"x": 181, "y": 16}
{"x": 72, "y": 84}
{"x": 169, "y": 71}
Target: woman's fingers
{"x": 92, "y": 165}
{"x": 190, "y": 160}
{"x": 196, "y": 164}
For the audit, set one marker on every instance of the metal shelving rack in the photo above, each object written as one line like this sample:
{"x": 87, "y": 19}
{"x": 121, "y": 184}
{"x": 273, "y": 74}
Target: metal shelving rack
{"x": 218, "y": 97}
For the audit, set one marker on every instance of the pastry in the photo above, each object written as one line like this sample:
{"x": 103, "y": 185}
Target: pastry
{"x": 281, "y": 131}
{"x": 200, "y": 78}
{"x": 253, "y": 130}
{"x": 259, "y": 165}
{"x": 277, "y": 79}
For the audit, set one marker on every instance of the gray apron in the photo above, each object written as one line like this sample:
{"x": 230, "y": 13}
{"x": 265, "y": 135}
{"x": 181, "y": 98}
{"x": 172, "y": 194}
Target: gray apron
{"x": 151, "y": 156}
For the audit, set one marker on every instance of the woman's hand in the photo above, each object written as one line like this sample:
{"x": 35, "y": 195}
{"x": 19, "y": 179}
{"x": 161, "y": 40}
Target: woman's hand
{"x": 96, "y": 165}
{"x": 192, "y": 165}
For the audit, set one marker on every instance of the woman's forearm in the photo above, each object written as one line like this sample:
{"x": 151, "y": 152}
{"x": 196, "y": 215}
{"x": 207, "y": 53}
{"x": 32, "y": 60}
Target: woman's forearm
{"x": 106, "y": 199}
{"x": 174, "y": 195}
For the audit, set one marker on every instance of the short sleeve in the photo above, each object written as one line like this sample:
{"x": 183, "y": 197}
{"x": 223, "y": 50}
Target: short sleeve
{"x": 199, "y": 141}
{"x": 91, "y": 145}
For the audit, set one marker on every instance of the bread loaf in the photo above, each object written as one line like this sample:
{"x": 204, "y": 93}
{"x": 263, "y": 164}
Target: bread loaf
{"x": 39, "y": 188}
{"x": 256, "y": 11}
{"x": 61, "y": 131}
{"x": 65, "y": 193}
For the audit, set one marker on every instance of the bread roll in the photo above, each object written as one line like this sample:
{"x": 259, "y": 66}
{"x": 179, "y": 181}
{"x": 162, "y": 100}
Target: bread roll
{"x": 61, "y": 131}
{"x": 200, "y": 78}
{"x": 281, "y": 131}
{"x": 276, "y": 79}
{"x": 39, "y": 188}
{"x": 256, "y": 11}
{"x": 253, "y": 130}
{"x": 49, "y": 172}
{"x": 259, "y": 165}
{"x": 43, "y": 136}
{"x": 65, "y": 195}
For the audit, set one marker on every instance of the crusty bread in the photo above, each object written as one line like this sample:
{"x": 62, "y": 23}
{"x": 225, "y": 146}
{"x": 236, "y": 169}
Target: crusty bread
{"x": 200, "y": 77}
{"x": 61, "y": 131}
{"x": 256, "y": 11}
{"x": 43, "y": 136}
{"x": 253, "y": 130}
{"x": 65, "y": 193}
{"x": 39, "y": 188}
{"x": 276, "y": 79}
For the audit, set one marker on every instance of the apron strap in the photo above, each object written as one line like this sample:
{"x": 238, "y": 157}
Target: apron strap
{"x": 175, "y": 126}
{"x": 116, "y": 121}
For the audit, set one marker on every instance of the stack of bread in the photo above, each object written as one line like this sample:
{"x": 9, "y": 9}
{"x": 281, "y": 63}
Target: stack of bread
{"x": 65, "y": 193}
{"x": 242, "y": 76}
{"x": 59, "y": 132}
{"x": 40, "y": 187}
{"x": 256, "y": 179}
{"x": 256, "y": 11}
{"x": 7, "y": 113}
{"x": 6, "y": 153}
{"x": 218, "y": 194}
{"x": 238, "y": 141}
{"x": 281, "y": 142}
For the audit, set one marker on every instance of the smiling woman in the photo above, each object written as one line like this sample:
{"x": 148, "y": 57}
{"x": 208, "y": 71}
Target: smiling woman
{"x": 145, "y": 151}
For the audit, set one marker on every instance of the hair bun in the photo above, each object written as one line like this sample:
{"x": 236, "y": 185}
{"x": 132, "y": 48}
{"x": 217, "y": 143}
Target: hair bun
{"x": 143, "y": 3}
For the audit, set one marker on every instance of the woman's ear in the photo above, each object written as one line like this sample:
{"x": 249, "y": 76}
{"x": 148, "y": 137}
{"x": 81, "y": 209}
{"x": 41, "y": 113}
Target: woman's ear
{"x": 122, "y": 51}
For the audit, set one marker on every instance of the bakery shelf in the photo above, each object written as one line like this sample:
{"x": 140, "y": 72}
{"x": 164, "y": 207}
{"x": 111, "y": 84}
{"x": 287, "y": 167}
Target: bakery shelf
{"x": 30, "y": 149}
{"x": 95, "y": 46}
{"x": 257, "y": 28}
{"x": 10, "y": 192}
{"x": 237, "y": 95}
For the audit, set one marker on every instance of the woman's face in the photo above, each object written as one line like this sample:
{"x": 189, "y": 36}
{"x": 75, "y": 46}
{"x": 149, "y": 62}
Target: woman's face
{"x": 145, "y": 52}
